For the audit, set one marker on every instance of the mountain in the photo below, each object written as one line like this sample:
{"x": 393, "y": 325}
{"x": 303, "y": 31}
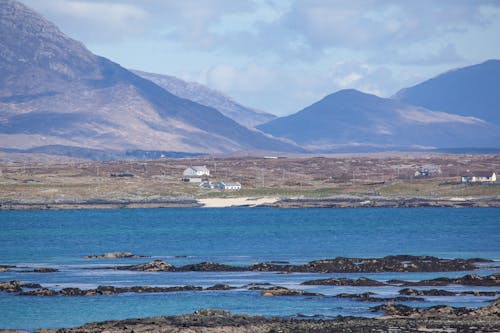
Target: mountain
{"x": 350, "y": 119}
{"x": 469, "y": 91}
{"x": 54, "y": 92}
{"x": 205, "y": 96}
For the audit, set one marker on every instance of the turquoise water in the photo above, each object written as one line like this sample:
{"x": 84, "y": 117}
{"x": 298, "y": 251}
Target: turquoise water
{"x": 239, "y": 236}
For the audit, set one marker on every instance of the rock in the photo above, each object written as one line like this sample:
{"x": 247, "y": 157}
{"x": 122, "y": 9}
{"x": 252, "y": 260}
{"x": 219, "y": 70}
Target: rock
{"x": 11, "y": 286}
{"x": 361, "y": 282}
{"x": 368, "y": 297}
{"x": 114, "y": 255}
{"x": 467, "y": 280}
{"x": 210, "y": 267}
{"x": 431, "y": 292}
{"x": 282, "y": 291}
{"x": 39, "y": 292}
{"x": 220, "y": 287}
{"x": 45, "y": 270}
{"x": 152, "y": 266}
{"x": 6, "y": 268}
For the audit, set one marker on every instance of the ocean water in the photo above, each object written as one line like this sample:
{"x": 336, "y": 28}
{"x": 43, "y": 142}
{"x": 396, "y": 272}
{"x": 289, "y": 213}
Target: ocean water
{"x": 239, "y": 236}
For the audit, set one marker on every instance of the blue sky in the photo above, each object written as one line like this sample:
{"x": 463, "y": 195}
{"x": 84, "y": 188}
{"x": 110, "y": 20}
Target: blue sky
{"x": 282, "y": 55}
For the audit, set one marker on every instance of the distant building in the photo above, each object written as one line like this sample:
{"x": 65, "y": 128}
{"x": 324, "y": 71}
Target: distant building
{"x": 196, "y": 171}
{"x": 480, "y": 177}
{"x": 427, "y": 170}
{"x": 228, "y": 186}
{"x": 191, "y": 180}
{"x": 207, "y": 185}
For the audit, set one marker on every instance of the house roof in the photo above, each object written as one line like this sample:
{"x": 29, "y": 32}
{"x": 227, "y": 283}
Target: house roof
{"x": 232, "y": 184}
{"x": 199, "y": 168}
{"x": 479, "y": 174}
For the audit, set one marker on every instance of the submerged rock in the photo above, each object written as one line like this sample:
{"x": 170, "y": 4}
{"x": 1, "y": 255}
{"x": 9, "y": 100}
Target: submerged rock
{"x": 282, "y": 291}
{"x": 361, "y": 282}
{"x": 152, "y": 266}
{"x": 114, "y": 255}
{"x": 492, "y": 280}
{"x": 45, "y": 270}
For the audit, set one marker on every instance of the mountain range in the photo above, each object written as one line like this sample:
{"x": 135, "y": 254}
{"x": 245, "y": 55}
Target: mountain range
{"x": 54, "y": 92}
{"x": 350, "y": 120}
{"x": 205, "y": 96}
{"x": 58, "y": 97}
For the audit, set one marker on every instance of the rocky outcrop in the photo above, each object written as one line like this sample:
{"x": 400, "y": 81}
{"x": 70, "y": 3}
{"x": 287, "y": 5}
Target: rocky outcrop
{"x": 218, "y": 321}
{"x": 369, "y": 297}
{"x": 153, "y": 266}
{"x": 114, "y": 255}
{"x": 16, "y": 286}
{"x": 492, "y": 280}
{"x": 441, "y": 292}
{"x": 45, "y": 270}
{"x": 282, "y": 291}
{"x": 401, "y": 263}
{"x": 440, "y": 311}
{"x": 6, "y": 268}
{"x": 361, "y": 282}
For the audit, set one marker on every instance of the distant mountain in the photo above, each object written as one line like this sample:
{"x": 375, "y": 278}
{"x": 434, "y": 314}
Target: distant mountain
{"x": 205, "y": 96}
{"x": 352, "y": 120}
{"x": 469, "y": 91}
{"x": 56, "y": 93}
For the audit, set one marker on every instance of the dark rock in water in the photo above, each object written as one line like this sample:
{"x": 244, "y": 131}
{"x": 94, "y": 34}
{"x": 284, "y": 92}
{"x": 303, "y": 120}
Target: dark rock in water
{"x": 153, "y": 266}
{"x": 16, "y": 286}
{"x": 11, "y": 286}
{"x": 210, "y": 267}
{"x": 39, "y": 292}
{"x": 443, "y": 319}
{"x": 492, "y": 280}
{"x": 115, "y": 255}
{"x": 45, "y": 270}
{"x": 220, "y": 287}
{"x": 282, "y": 291}
{"x": 368, "y": 297}
{"x": 431, "y": 292}
{"x": 6, "y": 268}
{"x": 361, "y": 282}
{"x": 401, "y": 263}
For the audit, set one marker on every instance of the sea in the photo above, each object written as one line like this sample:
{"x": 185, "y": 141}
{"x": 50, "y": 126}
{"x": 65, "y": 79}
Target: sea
{"x": 236, "y": 236}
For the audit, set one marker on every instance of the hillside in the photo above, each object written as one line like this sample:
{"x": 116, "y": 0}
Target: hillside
{"x": 54, "y": 92}
{"x": 469, "y": 91}
{"x": 205, "y": 96}
{"x": 352, "y": 120}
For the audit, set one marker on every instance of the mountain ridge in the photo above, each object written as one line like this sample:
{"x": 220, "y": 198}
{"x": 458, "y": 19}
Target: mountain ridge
{"x": 92, "y": 102}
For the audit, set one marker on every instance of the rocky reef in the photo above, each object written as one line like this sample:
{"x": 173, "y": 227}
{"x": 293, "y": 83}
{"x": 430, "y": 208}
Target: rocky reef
{"x": 401, "y": 263}
{"x": 114, "y": 255}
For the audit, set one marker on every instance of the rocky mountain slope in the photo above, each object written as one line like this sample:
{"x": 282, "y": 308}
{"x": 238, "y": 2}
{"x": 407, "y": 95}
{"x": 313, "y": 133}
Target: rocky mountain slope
{"x": 352, "y": 120}
{"x": 205, "y": 96}
{"x": 53, "y": 91}
{"x": 469, "y": 91}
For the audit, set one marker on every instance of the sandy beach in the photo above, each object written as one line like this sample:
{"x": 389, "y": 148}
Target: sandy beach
{"x": 237, "y": 202}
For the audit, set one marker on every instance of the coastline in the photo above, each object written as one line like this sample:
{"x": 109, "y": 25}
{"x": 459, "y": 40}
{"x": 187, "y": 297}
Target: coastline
{"x": 396, "y": 319}
{"x": 300, "y": 202}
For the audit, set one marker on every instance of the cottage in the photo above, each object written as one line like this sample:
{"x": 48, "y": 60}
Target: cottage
{"x": 480, "y": 177}
{"x": 196, "y": 171}
{"x": 229, "y": 185}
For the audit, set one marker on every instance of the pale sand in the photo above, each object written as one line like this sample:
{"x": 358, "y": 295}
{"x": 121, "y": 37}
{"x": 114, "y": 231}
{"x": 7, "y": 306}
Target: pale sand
{"x": 235, "y": 202}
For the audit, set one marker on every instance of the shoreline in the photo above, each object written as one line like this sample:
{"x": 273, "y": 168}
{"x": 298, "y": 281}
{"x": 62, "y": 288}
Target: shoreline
{"x": 252, "y": 202}
{"x": 396, "y": 318}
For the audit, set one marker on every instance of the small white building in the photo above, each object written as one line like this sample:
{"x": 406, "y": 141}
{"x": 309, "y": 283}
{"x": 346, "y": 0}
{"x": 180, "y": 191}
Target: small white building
{"x": 196, "y": 171}
{"x": 229, "y": 185}
{"x": 207, "y": 185}
{"x": 480, "y": 177}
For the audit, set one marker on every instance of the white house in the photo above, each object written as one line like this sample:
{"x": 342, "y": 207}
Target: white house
{"x": 229, "y": 186}
{"x": 480, "y": 177}
{"x": 196, "y": 171}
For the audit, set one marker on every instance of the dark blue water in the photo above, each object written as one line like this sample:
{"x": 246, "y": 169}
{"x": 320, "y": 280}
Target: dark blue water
{"x": 235, "y": 236}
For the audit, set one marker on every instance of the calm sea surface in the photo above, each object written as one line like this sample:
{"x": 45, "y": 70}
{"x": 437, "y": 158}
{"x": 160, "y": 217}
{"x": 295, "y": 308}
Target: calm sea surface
{"x": 239, "y": 236}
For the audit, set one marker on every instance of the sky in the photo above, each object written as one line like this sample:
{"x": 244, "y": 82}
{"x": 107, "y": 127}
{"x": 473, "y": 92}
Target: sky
{"x": 280, "y": 56}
